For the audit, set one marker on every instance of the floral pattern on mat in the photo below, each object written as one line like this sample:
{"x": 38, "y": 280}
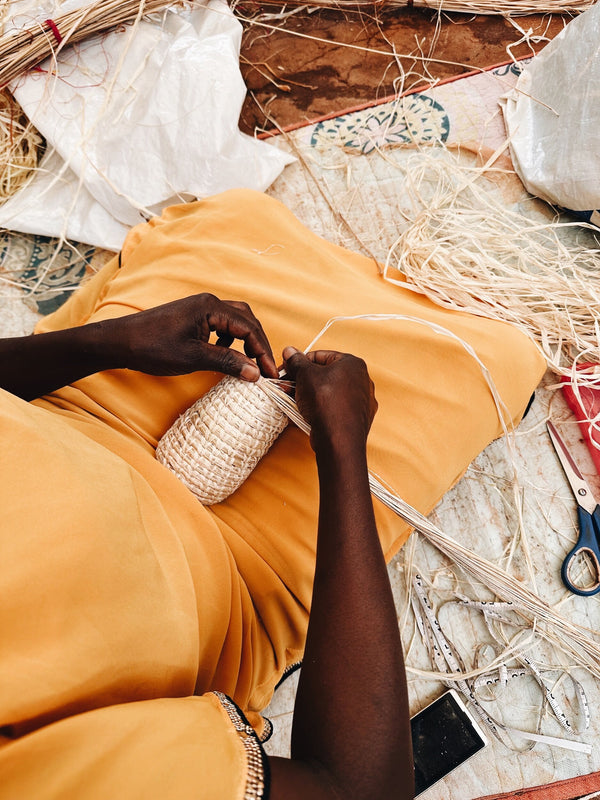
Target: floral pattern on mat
{"x": 516, "y": 68}
{"x": 46, "y": 270}
{"x": 415, "y": 119}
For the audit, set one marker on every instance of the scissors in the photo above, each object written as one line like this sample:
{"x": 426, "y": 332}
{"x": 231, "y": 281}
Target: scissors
{"x": 588, "y": 516}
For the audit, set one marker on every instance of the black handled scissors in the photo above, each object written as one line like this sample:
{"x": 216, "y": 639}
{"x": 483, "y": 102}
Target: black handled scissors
{"x": 588, "y": 515}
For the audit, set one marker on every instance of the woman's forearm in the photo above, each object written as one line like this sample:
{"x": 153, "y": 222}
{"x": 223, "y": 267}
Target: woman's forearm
{"x": 351, "y": 712}
{"x": 171, "y": 339}
{"x": 351, "y": 729}
{"x": 31, "y": 366}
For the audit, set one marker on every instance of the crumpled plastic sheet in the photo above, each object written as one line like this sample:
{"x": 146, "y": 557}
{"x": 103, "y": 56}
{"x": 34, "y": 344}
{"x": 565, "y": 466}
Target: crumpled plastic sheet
{"x": 136, "y": 120}
{"x": 553, "y": 118}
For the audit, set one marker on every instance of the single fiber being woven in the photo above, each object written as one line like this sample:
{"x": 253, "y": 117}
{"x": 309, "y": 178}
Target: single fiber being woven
{"x": 214, "y": 445}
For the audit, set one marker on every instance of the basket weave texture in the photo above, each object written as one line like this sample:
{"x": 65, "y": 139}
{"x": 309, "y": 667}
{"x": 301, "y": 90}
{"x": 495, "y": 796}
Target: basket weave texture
{"x": 214, "y": 445}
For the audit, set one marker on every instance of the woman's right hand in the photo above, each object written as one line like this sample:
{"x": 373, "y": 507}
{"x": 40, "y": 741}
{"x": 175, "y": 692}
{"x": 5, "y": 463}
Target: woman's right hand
{"x": 335, "y": 395}
{"x": 351, "y": 726}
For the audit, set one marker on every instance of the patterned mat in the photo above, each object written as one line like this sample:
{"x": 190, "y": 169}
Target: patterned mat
{"x": 46, "y": 270}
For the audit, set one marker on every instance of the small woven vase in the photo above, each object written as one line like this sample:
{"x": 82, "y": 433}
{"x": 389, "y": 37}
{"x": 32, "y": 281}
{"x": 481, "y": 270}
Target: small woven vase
{"x": 214, "y": 445}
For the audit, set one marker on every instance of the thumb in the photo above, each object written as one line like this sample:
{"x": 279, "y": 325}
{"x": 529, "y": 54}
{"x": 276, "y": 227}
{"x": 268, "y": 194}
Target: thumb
{"x": 293, "y": 361}
{"x": 230, "y": 362}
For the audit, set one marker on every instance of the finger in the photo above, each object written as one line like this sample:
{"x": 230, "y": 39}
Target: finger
{"x": 241, "y": 306}
{"x": 235, "y": 325}
{"x": 245, "y": 310}
{"x": 224, "y": 341}
{"x": 294, "y": 360}
{"x": 316, "y": 356}
{"x": 227, "y": 361}
{"x": 264, "y": 357}
{"x": 325, "y": 357}
{"x": 256, "y": 344}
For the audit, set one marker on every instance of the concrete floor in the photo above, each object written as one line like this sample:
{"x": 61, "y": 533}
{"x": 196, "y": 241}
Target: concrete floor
{"x": 292, "y": 79}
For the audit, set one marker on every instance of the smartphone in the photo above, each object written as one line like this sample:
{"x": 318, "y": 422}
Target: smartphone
{"x": 444, "y": 735}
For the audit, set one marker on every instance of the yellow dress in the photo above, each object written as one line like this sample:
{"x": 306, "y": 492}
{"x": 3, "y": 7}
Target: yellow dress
{"x": 191, "y": 748}
{"x": 117, "y": 585}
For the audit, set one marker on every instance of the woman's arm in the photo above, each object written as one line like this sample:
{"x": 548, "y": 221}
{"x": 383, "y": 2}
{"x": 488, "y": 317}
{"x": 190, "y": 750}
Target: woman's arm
{"x": 351, "y": 728}
{"x": 172, "y": 339}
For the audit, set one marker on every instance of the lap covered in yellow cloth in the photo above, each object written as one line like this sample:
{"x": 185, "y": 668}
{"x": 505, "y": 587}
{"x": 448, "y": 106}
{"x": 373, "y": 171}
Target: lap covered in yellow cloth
{"x": 192, "y": 748}
{"x": 120, "y": 585}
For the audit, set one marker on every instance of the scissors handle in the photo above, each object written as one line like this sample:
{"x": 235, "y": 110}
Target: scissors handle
{"x": 586, "y": 544}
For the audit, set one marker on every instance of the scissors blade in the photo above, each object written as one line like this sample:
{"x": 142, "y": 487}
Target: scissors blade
{"x": 581, "y": 490}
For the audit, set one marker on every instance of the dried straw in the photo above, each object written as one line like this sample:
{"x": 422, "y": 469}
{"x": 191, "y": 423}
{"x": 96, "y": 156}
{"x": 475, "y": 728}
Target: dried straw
{"x": 23, "y": 49}
{"x": 21, "y": 147}
{"x": 569, "y": 638}
{"x": 467, "y": 251}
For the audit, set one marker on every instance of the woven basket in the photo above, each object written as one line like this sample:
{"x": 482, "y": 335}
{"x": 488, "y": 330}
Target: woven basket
{"x": 216, "y": 443}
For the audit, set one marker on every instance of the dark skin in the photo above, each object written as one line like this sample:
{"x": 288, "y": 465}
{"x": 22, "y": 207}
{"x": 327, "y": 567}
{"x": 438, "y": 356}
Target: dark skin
{"x": 172, "y": 339}
{"x": 351, "y": 731}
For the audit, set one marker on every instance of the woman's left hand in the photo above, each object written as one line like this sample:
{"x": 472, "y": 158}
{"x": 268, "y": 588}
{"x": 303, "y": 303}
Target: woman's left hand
{"x": 173, "y": 339}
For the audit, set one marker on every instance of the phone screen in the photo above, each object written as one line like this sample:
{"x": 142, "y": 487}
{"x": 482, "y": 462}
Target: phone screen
{"x": 443, "y": 736}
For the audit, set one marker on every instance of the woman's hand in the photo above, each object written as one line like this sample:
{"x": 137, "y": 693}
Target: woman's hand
{"x": 173, "y": 339}
{"x": 334, "y": 395}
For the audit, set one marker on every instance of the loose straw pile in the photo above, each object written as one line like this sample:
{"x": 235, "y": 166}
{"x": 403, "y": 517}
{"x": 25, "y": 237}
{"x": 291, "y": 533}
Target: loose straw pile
{"x": 23, "y": 49}
{"x": 467, "y": 251}
{"x": 21, "y": 147}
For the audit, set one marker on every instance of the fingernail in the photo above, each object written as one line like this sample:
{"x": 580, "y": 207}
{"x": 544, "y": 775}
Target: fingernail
{"x": 289, "y": 351}
{"x": 250, "y": 372}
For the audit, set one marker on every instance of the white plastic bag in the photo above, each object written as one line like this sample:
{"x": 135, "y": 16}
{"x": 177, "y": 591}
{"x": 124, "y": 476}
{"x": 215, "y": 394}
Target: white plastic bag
{"x": 137, "y": 120}
{"x": 553, "y": 119}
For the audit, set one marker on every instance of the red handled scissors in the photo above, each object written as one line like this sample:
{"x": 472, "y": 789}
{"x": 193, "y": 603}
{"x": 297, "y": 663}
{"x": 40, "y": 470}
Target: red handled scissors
{"x": 588, "y": 515}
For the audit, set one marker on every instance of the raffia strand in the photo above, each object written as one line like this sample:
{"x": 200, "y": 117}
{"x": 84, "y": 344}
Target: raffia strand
{"x": 21, "y": 147}
{"x": 467, "y": 251}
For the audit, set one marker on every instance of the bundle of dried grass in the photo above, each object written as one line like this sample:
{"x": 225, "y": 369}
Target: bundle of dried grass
{"x": 466, "y": 250}
{"x": 21, "y": 49}
{"x": 21, "y": 147}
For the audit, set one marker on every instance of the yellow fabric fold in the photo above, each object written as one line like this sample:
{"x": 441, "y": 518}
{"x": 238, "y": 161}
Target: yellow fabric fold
{"x": 172, "y": 749}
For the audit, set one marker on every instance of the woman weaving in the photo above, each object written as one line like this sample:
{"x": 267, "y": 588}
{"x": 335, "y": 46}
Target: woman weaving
{"x": 129, "y": 610}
